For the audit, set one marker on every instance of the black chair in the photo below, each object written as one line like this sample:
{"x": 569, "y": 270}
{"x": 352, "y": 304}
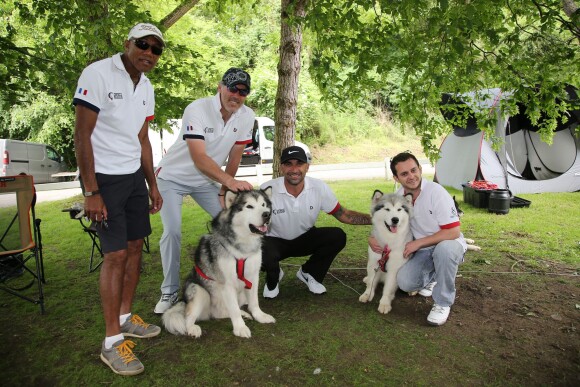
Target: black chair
{"x": 90, "y": 228}
{"x": 21, "y": 262}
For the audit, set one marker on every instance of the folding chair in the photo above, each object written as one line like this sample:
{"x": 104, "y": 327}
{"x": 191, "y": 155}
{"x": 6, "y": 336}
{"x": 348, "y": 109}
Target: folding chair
{"x": 77, "y": 212}
{"x": 21, "y": 263}
{"x": 95, "y": 261}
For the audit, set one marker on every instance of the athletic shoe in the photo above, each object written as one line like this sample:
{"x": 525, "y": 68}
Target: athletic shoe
{"x": 438, "y": 315}
{"x": 427, "y": 291}
{"x": 165, "y": 302}
{"x": 121, "y": 359}
{"x": 313, "y": 285}
{"x": 136, "y": 327}
{"x": 274, "y": 292}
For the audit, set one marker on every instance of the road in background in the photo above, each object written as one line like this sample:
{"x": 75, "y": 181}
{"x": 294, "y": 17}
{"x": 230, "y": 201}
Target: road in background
{"x": 256, "y": 175}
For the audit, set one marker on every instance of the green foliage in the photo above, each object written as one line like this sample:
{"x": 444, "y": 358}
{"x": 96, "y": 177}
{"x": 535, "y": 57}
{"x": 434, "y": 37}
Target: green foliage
{"x": 364, "y": 59}
{"x": 446, "y": 47}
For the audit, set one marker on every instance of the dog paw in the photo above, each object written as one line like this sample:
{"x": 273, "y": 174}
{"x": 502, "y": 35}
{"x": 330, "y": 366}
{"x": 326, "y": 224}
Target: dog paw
{"x": 364, "y": 297}
{"x": 243, "y": 331}
{"x": 194, "y": 331}
{"x": 473, "y": 248}
{"x": 469, "y": 241}
{"x": 246, "y": 315}
{"x": 264, "y": 318}
{"x": 412, "y": 294}
{"x": 384, "y": 308}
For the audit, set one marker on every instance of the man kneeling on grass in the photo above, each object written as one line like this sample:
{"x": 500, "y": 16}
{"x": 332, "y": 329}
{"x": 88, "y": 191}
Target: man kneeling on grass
{"x": 438, "y": 246}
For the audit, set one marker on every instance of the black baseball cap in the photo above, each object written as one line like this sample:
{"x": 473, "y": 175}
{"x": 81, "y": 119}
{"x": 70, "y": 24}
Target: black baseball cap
{"x": 236, "y": 76}
{"x": 293, "y": 153}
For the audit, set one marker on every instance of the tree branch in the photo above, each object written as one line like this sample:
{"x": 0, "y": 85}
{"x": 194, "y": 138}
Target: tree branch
{"x": 177, "y": 13}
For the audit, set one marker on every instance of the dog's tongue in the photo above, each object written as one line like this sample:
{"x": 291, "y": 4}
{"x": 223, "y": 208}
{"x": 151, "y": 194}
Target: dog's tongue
{"x": 263, "y": 228}
{"x": 393, "y": 229}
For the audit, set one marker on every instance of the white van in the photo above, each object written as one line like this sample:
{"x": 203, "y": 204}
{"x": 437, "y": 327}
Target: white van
{"x": 261, "y": 151}
{"x": 39, "y": 160}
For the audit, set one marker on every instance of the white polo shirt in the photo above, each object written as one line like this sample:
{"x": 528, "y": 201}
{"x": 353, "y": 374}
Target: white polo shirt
{"x": 433, "y": 210}
{"x": 293, "y": 216}
{"x": 202, "y": 120}
{"x": 106, "y": 88}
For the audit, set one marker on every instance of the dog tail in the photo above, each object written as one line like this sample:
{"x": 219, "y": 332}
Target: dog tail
{"x": 174, "y": 319}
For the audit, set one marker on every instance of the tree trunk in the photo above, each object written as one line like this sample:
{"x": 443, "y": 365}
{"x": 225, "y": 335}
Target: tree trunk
{"x": 571, "y": 10}
{"x": 288, "y": 73}
{"x": 177, "y": 13}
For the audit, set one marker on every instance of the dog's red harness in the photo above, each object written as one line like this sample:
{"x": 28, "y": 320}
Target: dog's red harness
{"x": 240, "y": 263}
{"x": 384, "y": 258}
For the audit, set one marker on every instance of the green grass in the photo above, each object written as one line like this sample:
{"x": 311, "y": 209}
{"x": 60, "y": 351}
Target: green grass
{"x": 348, "y": 341}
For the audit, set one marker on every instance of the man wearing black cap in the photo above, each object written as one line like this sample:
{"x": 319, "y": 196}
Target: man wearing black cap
{"x": 296, "y": 203}
{"x": 213, "y": 129}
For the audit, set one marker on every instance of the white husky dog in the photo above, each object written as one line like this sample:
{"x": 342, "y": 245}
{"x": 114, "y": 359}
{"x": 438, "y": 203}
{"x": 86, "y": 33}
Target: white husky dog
{"x": 227, "y": 268}
{"x": 391, "y": 214}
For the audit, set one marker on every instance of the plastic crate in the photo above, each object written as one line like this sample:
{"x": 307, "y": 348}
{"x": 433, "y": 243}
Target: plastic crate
{"x": 519, "y": 202}
{"x": 476, "y": 197}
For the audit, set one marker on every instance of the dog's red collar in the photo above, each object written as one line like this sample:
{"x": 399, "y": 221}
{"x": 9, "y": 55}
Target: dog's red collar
{"x": 240, "y": 263}
{"x": 384, "y": 258}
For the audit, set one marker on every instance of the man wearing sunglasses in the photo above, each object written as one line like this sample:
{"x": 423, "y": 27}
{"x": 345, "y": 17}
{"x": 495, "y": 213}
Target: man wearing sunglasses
{"x": 213, "y": 129}
{"x": 114, "y": 102}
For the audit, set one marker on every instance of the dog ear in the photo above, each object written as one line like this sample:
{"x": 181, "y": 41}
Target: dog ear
{"x": 268, "y": 192}
{"x": 377, "y": 195}
{"x": 409, "y": 198}
{"x": 229, "y": 198}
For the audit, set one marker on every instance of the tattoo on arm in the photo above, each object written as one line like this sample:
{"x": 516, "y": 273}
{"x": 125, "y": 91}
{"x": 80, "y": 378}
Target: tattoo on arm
{"x": 351, "y": 217}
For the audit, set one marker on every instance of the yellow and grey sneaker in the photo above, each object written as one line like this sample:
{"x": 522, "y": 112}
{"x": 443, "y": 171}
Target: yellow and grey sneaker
{"x": 121, "y": 359}
{"x": 136, "y": 327}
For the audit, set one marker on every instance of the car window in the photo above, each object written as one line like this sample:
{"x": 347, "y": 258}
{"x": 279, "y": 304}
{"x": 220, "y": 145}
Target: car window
{"x": 269, "y": 133}
{"x": 52, "y": 155}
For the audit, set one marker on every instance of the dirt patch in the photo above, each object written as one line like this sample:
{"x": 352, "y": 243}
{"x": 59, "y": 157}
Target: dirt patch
{"x": 527, "y": 324}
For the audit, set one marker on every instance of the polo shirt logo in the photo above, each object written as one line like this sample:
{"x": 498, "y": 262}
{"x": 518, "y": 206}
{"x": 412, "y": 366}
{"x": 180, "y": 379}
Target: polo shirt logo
{"x": 276, "y": 212}
{"x": 235, "y": 130}
{"x": 207, "y": 130}
{"x": 113, "y": 96}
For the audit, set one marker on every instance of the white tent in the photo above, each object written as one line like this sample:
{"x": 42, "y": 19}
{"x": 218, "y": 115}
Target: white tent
{"x": 523, "y": 164}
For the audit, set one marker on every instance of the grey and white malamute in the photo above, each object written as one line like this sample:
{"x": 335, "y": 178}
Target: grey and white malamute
{"x": 227, "y": 268}
{"x": 391, "y": 215}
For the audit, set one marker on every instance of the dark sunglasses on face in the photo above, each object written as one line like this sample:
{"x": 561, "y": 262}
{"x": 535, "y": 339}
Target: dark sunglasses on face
{"x": 234, "y": 90}
{"x": 143, "y": 45}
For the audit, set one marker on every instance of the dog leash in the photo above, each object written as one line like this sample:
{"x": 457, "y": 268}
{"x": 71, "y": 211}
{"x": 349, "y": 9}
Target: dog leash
{"x": 384, "y": 258}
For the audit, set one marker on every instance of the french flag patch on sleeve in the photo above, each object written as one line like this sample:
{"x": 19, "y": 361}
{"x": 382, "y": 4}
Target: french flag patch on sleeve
{"x": 82, "y": 91}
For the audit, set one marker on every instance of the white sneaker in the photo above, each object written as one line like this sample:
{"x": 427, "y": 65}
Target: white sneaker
{"x": 313, "y": 285}
{"x": 273, "y": 293}
{"x": 165, "y": 302}
{"x": 427, "y": 291}
{"x": 438, "y": 315}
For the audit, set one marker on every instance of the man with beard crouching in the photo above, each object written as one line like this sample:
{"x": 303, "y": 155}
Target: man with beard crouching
{"x": 296, "y": 202}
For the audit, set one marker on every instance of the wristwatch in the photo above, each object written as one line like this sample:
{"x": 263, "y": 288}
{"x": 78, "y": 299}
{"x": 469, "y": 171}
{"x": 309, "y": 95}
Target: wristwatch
{"x": 91, "y": 193}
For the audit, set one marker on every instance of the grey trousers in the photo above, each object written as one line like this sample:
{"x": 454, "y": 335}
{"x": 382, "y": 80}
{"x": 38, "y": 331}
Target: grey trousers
{"x": 437, "y": 263}
{"x": 170, "y": 242}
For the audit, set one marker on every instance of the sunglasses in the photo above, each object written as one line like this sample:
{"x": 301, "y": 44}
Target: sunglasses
{"x": 234, "y": 90}
{"x": 143, "y": 45}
